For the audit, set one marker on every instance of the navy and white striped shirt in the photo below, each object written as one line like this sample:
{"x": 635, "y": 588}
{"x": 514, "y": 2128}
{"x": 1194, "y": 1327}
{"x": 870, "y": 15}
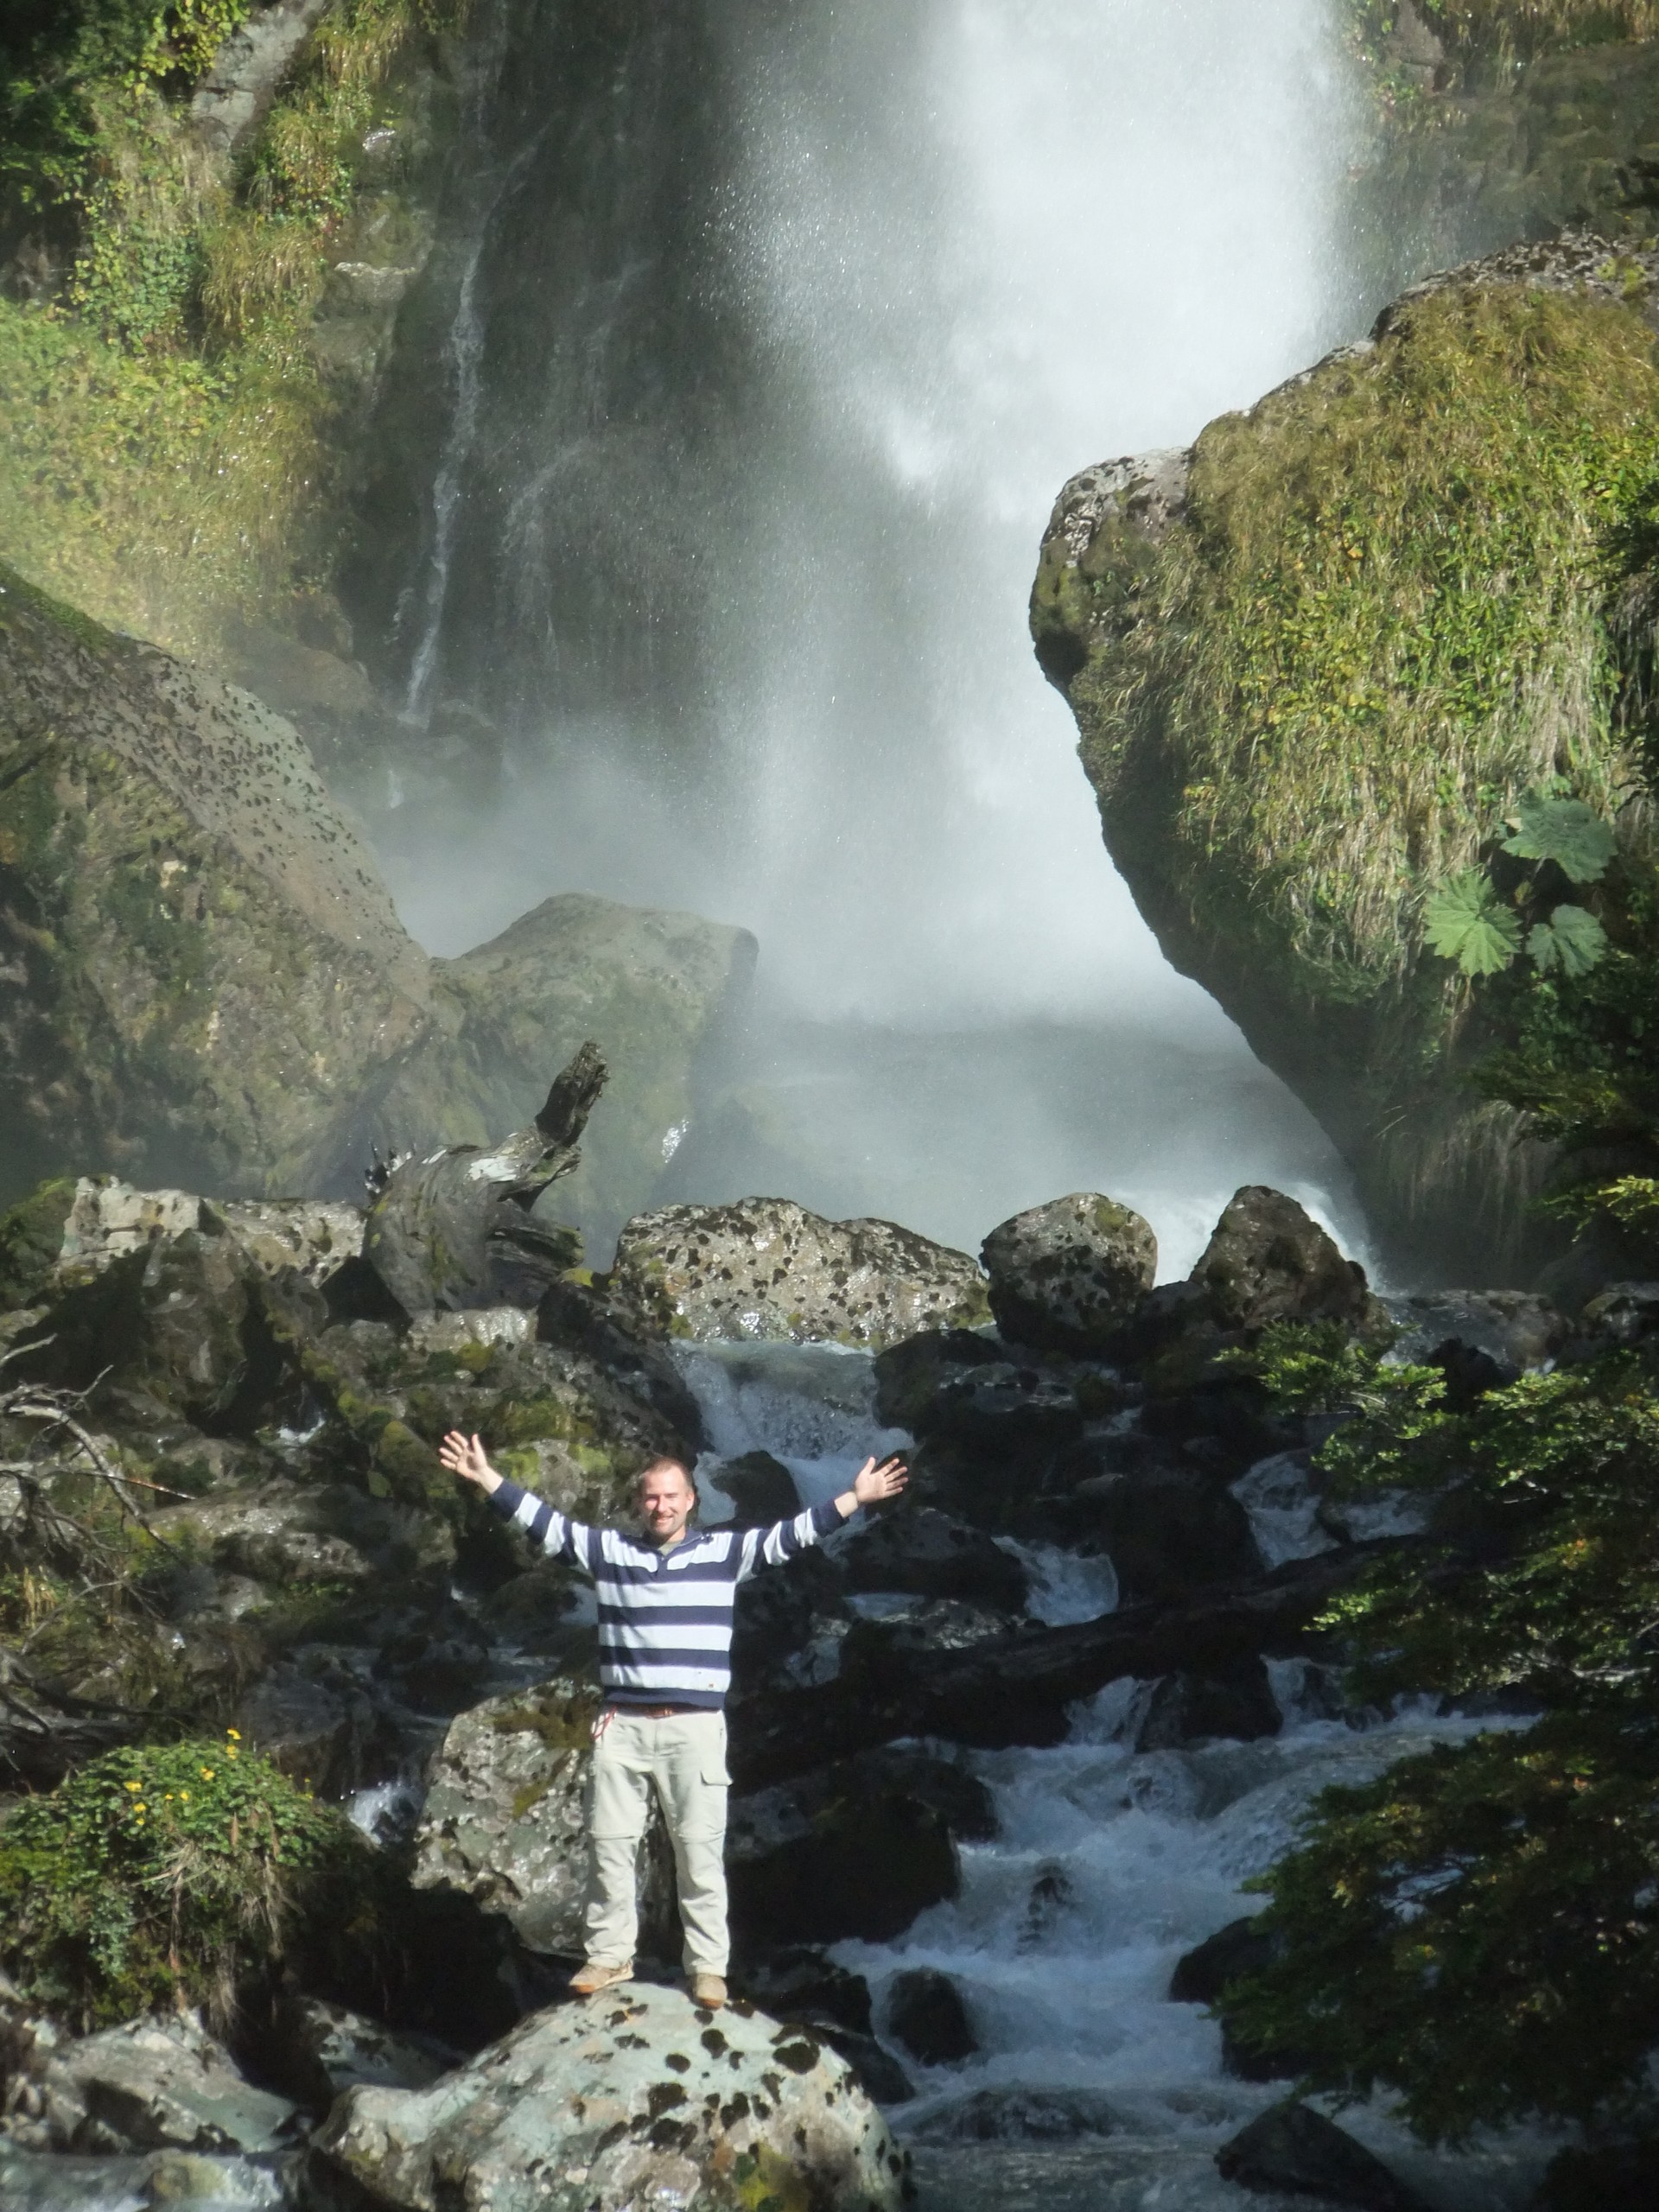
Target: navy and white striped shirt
{"x": 664, "y": 1617}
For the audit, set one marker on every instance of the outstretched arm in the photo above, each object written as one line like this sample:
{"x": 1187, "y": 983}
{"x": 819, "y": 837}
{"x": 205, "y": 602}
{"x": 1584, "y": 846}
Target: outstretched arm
{"x": 547, "y": 1528}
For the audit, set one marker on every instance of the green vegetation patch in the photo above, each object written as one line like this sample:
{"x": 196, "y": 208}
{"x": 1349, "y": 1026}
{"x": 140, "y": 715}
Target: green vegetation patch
{"x": 1385, "y": 617}
{"x": 173, "y": 1875}
{"x": 165, "y": 433}
{"x": 1477, "y": 1929}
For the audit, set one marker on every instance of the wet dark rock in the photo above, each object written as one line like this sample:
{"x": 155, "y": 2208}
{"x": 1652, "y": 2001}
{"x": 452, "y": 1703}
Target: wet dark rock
{"x": 1242, "y": 1947}
{"x": 799, "y": 1979}
{"x": 1623, "y": 1315}
{"x": 882, "y": 2078}
{"x": 1268, "y": 1260}
{"x": 925, "y": 2013}
{"x": 1295, "y": 2149}
{"x": 1187, "y": 1708}
{"x": 908, "y": 1374}
{"x": 761, "y": 1489}
{"x": 854, "y": 1850}
{"x": 1002, "y": 1410}
{"x": 575, "y": 1315}
{"x": 1021, "y": 2115}
{"x": 786, "y": 1627}
{"x": 1168, "y": 1530}
{"x": 928, "y": 1554}
{"x": 652, "y": 2098}
{"x": 767, "y": 1268}
{"x": 329, "y": 1734}
{"x": 1064, "y": 1276}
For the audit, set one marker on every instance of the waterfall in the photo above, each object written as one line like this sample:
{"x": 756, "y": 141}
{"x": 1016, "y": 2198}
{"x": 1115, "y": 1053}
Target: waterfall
{"x": 763, "y": 375}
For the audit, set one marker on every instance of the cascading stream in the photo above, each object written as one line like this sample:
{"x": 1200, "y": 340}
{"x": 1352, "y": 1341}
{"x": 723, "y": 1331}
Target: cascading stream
{"x": 1091, "y": 2091}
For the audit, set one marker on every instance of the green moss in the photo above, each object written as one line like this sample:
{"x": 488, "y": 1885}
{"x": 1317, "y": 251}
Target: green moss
{"x": 1381, "y": 618}
{"x": 166, "y": 455}
{"x": 31, "y": 1238}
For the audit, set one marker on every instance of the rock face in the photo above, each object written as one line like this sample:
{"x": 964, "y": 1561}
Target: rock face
{"x": 203, "y": 980}
{"x": 768, "y": 1267}
{"x": 1257, "y": 643}
{"x": 155, "y": 2082}
{"x": 636, "y": 2099}
{"x": 1066, "y": 1274}
{"x": 202, "y": 966}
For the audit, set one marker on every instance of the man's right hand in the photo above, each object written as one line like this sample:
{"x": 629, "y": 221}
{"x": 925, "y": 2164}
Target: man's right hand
{"x": 465, "y": 1456}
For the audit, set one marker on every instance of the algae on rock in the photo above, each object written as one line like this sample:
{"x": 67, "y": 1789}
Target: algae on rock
{"x": 1315, "y": 660}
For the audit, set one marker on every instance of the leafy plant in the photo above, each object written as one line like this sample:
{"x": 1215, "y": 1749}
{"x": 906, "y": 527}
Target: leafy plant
{"x": 1571, "y": 939}
{"x": 1564, "y": 830}
{"x": 1466, "y": 921}
{"x": 173, "y": 1874}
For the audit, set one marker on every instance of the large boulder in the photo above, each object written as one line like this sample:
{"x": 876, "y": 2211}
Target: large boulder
{"x": 855, "y": 1849}
{"x": 638, "y": 2099}
{"x": 1268, "y": 1260}
{"x": 1294, "y": 746}
{"x": 1291, "y": 2148}
{"x": 205, "y": 970}
{"x": 649, "y": 987}
{"x": 502, "y": 1818}
{"x": 766, "y": 1268}
{"x": 1066, "y": 1276}
{"x": 152, "y": 2082}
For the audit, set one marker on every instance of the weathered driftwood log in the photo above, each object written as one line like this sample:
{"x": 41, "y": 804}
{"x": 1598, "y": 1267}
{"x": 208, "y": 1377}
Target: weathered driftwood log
{"x": 443, "y": 1231}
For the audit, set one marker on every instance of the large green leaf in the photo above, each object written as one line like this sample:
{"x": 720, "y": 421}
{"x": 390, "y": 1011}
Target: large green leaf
{"x": 1571, "y": 939}
{"x": 1466, "y": 921}
{"x": 1564, "y": 830}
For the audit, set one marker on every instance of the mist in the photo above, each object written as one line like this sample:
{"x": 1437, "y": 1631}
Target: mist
{"x": 951, "y": 252}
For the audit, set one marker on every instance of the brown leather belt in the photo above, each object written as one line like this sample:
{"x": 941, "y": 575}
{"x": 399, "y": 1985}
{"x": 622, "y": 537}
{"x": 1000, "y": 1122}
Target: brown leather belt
{"x": 656, "y": 1712}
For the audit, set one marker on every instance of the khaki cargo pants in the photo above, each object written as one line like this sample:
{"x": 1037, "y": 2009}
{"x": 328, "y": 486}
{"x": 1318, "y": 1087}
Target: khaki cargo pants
{"x": 684, "y": 1759}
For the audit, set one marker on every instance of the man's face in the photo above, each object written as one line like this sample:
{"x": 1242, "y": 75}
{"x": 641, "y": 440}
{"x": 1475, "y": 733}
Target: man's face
{"x": 667, "y": 1497}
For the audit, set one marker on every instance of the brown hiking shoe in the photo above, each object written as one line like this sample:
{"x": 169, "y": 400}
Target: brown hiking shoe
{"x": 588, "y": 1980}
{"x": 709, "y": 1990}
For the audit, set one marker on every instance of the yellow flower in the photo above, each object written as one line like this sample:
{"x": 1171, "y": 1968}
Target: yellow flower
{"x": 235, "y": 1735}
{"x": 230, "y": 1750}
{"x": 141, "y": 1807}
{"x": 206, "y": 1774}
{"x": 184, "y": 1796}
{"x": 132, "y": 1785}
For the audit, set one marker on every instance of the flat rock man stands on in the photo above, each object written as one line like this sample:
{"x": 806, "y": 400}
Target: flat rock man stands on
{"x": 665, "y": 1662}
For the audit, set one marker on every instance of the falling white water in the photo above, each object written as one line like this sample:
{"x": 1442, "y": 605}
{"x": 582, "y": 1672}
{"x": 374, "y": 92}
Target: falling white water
{"x": 962, "y": 249}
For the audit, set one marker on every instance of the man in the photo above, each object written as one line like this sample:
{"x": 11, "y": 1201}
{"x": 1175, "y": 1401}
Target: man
{"x": 664, "y": 1662}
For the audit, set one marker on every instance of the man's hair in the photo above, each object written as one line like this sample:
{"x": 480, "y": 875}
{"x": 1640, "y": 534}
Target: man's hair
{"x": 665, "y": 1459}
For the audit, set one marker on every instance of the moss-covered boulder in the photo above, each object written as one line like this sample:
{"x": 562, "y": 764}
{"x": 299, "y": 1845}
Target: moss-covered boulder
{"x": 1067, "y": 1274}
{"x": 1316, "y": 662}
{"x": 766, "y": 1268}
{"x": 644, "y": 2098}
{"x": 200, "y": 968}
